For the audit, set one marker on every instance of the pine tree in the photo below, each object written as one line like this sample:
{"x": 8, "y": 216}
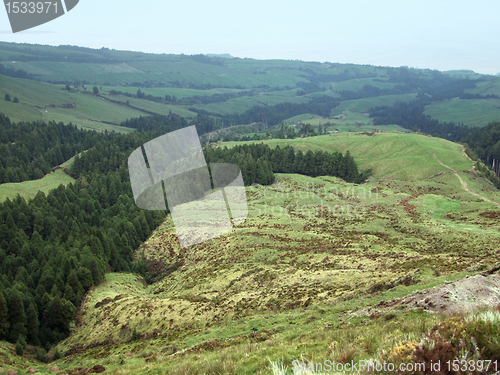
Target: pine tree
{"x": 69, "y": 293}
{"x": 19, "y": 347}
{"x": 32, "y": 325}
{"x": 17, "y": 316}
{"x": 4, "y": 318}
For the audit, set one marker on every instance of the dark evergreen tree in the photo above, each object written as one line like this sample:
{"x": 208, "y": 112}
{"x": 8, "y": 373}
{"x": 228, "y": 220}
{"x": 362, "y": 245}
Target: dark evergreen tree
{"x": 17, "y": 316}
{"x": 32, "y": 325}
{"x": 4, "y": 318}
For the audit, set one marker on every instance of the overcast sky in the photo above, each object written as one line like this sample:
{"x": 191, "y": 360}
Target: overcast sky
{"x": 438, "y": 34}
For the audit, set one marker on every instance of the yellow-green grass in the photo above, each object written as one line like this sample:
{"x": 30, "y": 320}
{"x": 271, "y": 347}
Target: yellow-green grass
{"x": 281, "y": 287}
{"x": 364, "y": 105}
{"x": 247, "y": 345}
{"x": 94, "y": 108}
{"x": 179, "y": 93}
{"x": 357, "y": 84}
{"x": 243, "y": 103}
{"x": 29, "y": 189}
{"x": 251, "y": 347}
{"x": 305, "y": 241}
{"x": 402, "y": 156}
{"x": 488, "y": 85}
{"x": 9, "y": 360}
{"x": 159, "y": 108}
{"x": 352, "y": 122}
{"x": 470, "y": 112}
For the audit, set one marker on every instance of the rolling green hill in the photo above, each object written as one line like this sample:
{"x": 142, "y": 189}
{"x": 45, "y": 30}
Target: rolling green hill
{"x": 29, "y": 189}
{"x": 312, "y": 257}
{"x": 46, "y": 102}
{"x": 471, "y": 112}
{"x": 219, "y": 86}
{"x": 390, "y": 155}
{"x": 321, "y": 268}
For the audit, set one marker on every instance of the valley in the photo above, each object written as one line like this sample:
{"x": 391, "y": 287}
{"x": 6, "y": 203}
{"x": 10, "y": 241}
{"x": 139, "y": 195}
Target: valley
{"x": 404, "y": 261}
{"x": 276, "y": 282}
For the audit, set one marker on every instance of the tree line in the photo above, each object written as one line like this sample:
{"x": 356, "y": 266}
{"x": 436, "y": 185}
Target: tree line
{"x": 481, "y": 142}
{"x": 30, "y": 150}
{"x": 273, "y": 115}
{"x": 55, "y": 247}
{"x": 285, "y": 160}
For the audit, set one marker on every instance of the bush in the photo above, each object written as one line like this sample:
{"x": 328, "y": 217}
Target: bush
{"x": 57, "y": 355}
{"x": 16, "y": 100}
{"x": 7, "y": 97}
{"x": 135, "y": 335}
{"x": 19, "y": 347}
{"x": 452, "y": 339}
{"x": 42, "y": 356}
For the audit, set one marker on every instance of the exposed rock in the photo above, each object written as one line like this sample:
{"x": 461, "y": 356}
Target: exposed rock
{"x": 460, "y": 296}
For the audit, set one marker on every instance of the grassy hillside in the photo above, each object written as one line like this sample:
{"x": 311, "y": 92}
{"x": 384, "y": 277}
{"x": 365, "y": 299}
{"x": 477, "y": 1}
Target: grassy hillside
{"x": 320, "y": 269}
{"x": 489, "y": 85}
{"x": 395, "y": 155}
{"x": 288, "y": 285}
{"x": 28, "y": 189}
{"x": 123, "y": 68}
{"x": 43, "y": 101}
{"x": 364, "y": 105}
{"x": 228, "y": 86}
{"x": 346, "y": 122}
{"x": 471, "y": 112}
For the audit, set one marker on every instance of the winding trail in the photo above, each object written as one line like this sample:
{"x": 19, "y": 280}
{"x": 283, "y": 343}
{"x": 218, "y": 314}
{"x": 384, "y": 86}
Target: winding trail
{"x": 462, "y": 182}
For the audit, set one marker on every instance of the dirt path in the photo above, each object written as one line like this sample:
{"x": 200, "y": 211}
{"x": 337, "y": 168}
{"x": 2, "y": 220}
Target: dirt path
{"x": 462, "y": 182}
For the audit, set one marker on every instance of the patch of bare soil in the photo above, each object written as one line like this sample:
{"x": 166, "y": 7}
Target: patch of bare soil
{"x": 461, "y": 296}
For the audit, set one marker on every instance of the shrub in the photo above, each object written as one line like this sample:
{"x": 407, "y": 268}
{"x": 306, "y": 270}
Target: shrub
{"x": 19, "y": 347}
{"x": 42, "y": 356}
{"x": 473, "y": 338}
{"x": 57, "y": 355}
{"x": 135, "y": 335}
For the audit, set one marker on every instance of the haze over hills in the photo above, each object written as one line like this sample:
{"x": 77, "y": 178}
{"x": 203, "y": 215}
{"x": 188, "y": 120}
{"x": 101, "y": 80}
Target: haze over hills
{"x": 189, "y": 85}
{"x": 373, "y": 213}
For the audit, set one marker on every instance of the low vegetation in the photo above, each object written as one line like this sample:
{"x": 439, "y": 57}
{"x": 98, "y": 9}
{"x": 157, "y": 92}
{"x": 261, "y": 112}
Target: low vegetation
{"x": 367, "y": 236}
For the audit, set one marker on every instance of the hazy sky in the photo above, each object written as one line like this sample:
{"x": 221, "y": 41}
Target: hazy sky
{"x": 438, "y": 34}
